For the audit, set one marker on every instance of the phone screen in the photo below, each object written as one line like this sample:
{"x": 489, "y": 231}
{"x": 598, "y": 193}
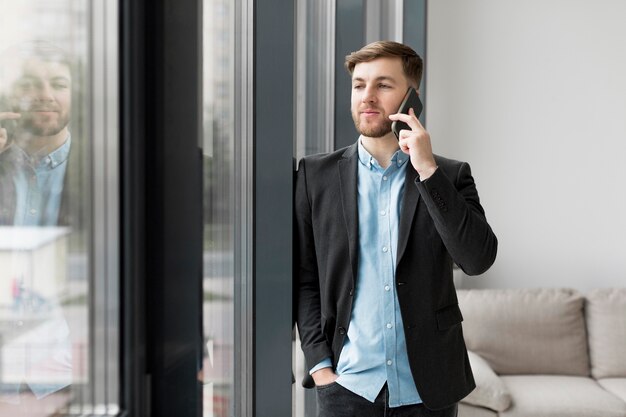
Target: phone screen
{"x": 411, "y": 100}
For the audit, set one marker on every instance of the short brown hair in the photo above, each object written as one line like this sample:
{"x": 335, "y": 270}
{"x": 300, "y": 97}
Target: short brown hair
{"x": 411, "y": 62}
{"x": 13, "y": 57}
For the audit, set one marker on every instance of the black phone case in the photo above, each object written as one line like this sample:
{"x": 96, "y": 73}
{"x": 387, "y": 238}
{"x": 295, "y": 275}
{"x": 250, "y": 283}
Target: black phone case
{"x": 411, "y": 100}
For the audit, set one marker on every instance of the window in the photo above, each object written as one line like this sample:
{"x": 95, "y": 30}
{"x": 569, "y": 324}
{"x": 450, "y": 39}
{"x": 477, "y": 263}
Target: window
{"x": 58, "y": 208}
{"x": 221, "y": 166}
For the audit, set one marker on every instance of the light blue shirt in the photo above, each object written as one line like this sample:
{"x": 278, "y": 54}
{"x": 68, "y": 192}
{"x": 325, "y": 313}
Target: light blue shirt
{"x": 38, "y": 183}
{"x": 374, "y": 350}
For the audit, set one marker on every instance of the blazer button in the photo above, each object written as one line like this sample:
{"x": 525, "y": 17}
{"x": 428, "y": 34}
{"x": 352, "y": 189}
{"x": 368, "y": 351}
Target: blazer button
{"x": 342, "y": 331}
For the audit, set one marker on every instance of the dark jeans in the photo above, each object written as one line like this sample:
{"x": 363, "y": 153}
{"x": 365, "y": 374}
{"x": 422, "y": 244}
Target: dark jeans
{"x": 333, "y": 400}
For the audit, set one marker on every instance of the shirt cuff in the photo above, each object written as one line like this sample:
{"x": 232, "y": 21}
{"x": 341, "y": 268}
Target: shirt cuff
{"x": 326, "y": 363}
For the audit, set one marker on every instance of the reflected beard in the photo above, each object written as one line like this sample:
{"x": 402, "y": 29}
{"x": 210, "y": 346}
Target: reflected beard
{"x": 43, "y": 128}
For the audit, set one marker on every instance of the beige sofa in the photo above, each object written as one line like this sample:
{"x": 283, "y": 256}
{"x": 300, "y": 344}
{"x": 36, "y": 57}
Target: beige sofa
{"x": 545, "y": 352}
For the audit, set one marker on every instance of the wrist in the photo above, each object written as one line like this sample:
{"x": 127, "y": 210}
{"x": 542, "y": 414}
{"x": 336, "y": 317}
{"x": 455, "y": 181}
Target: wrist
{"x": 324, "y": 376}
{"x": 427, "y": 172}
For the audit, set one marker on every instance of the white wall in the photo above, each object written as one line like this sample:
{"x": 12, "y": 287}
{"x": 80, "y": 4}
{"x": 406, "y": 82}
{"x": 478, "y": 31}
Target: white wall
{"x": 533, "y": 95}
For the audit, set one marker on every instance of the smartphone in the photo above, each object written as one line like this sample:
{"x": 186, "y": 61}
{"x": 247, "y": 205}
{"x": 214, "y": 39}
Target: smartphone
{"x": 411, "y": 100}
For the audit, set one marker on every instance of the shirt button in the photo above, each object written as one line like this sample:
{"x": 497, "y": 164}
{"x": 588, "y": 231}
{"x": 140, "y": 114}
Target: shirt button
{"x": 389, "y": 326}
{"x": 389, "y": 362}
{"x": 387, "y": 287}
{"x": 384, "y": 178}
{"x": 383, "y": 212}
{"x": 33, "y": 211}
{"x": 385, "y": 249}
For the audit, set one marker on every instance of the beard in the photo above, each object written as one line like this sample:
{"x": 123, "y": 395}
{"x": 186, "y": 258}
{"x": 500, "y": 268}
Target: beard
{"x": 377, "y": 129}
{"x": 38, "y": 125}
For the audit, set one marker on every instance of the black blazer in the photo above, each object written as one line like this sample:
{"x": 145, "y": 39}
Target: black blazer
{"x": 441, "y": 222}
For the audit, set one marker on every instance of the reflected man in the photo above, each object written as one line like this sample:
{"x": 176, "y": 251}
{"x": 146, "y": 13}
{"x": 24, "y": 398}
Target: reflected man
{"x": 35, "y": 144}
{"x": 35, "y": 137}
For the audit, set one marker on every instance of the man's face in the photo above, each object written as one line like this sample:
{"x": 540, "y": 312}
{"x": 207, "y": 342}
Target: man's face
{"x": 378, "y": 87}
{"x": 42, "y": 95}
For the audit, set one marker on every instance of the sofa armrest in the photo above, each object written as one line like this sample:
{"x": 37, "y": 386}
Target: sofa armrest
{"x": 490, "y": 390}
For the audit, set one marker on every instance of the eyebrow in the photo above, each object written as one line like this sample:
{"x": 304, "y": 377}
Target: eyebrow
{"x": 61, "y": 78}
{"x": 381, "y": 78}
{"x": 30, "y": 77}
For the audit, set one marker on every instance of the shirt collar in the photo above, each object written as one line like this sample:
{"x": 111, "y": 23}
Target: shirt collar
{"x": 52, "y": 160}
{"x": 60, "y": 155}
{"x": 399, "y": 158}
{"x": 364, "y": 156}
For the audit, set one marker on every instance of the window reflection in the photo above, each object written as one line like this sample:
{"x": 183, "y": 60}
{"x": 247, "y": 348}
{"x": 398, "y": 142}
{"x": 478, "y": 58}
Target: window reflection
{"x": 45, "y": 209}
{"x": 35, "y": 169}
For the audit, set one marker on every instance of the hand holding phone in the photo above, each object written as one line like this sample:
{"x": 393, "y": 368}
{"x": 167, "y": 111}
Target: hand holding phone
{"x": 411, "y": 100}
{"x": 7, "y": 126}
{"x": 416, "y": 144}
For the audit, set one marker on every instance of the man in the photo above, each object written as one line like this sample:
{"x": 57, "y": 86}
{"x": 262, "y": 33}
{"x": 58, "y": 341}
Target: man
{"x": 378, "y": 226}
{"x": 34, "y": 138}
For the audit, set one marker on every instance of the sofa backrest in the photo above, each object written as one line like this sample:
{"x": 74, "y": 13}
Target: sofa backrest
{"x": 527, "y": 331}
{"x": 606, "y": 325}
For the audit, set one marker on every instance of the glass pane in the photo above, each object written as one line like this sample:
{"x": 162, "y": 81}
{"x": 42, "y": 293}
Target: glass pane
{"x": 47, "y": 215}
{"x": 219, "y": 208}
{"x": 314, "y": 73}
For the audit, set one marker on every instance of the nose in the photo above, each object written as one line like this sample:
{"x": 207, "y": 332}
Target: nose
{"x": 369, "y": 95}
{"x": 44, "y": 92}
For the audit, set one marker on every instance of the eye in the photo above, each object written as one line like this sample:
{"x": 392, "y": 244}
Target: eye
{"x": 384, "y": 86}
{"x": 357, "y": 86}
{"x": 25, "y": 85}
{"x": 60, "y": 86}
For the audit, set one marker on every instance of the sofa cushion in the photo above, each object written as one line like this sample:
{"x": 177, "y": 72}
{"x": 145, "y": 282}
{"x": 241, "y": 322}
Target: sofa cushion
{"x": 527, "y": 331}
{"x": 466, "y": 410}
{"x": 490, "y": 391}
{"x": 616, "y": 386}
{"x": 560, "y": 396}
{"x": 606, "y": 325}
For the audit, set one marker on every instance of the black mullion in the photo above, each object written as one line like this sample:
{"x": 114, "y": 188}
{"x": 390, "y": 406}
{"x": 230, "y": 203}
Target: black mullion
{"x": 132, "y": 201}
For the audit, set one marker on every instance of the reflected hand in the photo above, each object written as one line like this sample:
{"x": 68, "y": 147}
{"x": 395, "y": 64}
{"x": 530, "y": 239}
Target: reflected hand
{"x": 4, "y": 137}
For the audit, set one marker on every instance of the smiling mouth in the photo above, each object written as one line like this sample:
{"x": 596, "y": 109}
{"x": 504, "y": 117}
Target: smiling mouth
{"x": 44, "y": 113}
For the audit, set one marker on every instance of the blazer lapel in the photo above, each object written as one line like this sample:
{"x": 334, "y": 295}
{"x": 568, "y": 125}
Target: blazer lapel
{"x": 409, "y": 206}
{"x": 348, "y": 184}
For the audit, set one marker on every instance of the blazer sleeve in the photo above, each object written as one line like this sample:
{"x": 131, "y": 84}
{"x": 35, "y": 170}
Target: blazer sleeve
{"x": 308, "y": 308}
{"x": 452, "y": 200}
